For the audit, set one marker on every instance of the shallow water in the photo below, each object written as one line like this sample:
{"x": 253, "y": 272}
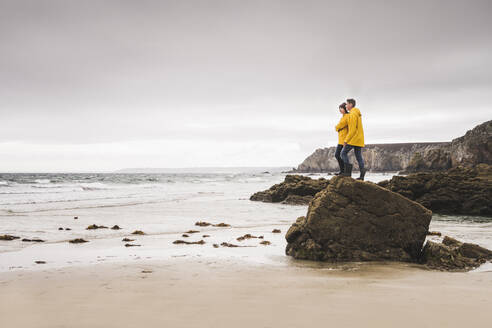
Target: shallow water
{"x": 163, "y": 206}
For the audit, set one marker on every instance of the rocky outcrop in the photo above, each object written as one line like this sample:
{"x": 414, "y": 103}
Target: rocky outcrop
{"x": 352, "y": 220}
{"x": 377, "y": 157}
{"x": 295, "y": 190}
{"x": 453, "y": 255}
{"x": 473, "y": 148}
{"x": 460, "y": 190}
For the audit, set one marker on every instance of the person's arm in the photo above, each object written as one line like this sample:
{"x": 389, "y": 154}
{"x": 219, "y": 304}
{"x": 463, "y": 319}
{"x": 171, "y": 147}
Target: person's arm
{"x": 342, "y": 124}
{"x": 352, "y": 125}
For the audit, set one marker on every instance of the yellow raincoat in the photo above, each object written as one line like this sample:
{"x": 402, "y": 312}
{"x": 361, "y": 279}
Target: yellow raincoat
{"x": 342, "y": 128}
{"x": 355, "y": 136}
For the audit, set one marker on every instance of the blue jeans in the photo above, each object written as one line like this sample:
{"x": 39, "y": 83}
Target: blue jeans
{"x": 338, "y": 157}
{"x": 358, "y": 155}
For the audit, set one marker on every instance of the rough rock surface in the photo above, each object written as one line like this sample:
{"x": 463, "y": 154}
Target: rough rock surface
{"x": 352, "y": 220}
{"x": 471, "y": 149}
{"x": 453, "y": 255}
{"x": 295, "y": 190}
{"x": 460, "y": 190}
{"x": 377, "y": 157}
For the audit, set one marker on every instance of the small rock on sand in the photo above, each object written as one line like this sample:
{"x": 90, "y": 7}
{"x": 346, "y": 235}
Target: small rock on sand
{"x": 216, "y": 245}
{"x": 246, "y": 236}
{"x": 131, "y": 245}
{"x": 115, "y": 227}
{"x": 75, "y": 217}
{"x": 8, "y": 237}
{"x": 36, "y": 240}
{"x": 60, "y": 228}
{"x": 205, "y": 236}
{"x": 202, "y": 224}
{"x": 40, "y": 262}
{"x": 95, "y": 226}
{"x": 222, "y": 224}
{"x": 184, "y": 235}
{"x": 192, "y": 231}
{"x": 127, "y": 239}
{"x": 276, "y": 231}
{"x": 433, "y": 233}
{"x": 200, "y": 242}
{"x": 265, "y": 242}
{"x": 138, "y": 232}
{"x": 78, "y": 241}
{"x": 146, "y": 271}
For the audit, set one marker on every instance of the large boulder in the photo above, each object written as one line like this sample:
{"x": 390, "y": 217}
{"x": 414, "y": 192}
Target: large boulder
{"x": 460, "y": 190}
{"x": 295, "y": 190}
{"x": 353, "y": 220}
{"x": 453, "y": 255}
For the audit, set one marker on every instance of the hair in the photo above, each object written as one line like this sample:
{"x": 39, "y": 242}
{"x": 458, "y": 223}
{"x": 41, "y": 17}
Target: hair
{"x": 344, "y": 107}
{"x": 351, "y": 101}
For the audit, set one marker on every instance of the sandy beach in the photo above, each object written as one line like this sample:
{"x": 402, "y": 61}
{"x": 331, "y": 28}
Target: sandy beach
{"x": 212, "y": 293}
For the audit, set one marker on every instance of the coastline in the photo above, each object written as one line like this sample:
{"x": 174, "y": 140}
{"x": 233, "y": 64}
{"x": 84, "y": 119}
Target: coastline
{"x": 219, "y": 293}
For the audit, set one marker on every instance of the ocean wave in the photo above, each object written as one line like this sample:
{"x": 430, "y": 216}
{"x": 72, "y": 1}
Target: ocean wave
{"x": 4, "y": 183}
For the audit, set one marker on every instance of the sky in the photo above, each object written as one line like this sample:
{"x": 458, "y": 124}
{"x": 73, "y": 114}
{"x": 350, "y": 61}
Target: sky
{"x": 103, "y": 85}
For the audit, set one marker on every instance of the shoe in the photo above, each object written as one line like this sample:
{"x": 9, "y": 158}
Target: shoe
{"x": 341, "y": 165}
{"x": 362, "y": 174}
{"x": 348, "y": 170}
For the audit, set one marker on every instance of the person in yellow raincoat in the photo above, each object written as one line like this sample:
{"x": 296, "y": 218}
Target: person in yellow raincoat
{"x": 354, "y": 140}
{"x": 342, "y": 129}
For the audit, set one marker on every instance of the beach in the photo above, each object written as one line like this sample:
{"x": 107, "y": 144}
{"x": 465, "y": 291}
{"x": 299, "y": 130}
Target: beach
{"x": 156, "y": 283}
{"x": 216, "y": 293}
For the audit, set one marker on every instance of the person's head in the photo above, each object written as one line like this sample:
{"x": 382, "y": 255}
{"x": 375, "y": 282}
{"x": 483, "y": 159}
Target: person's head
{"x": 343, "y": 108}
{"x": 350, "y": 104}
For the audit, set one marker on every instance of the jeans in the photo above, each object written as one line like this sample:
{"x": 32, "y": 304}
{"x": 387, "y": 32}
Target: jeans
{"x": 358, "y": 155}
{"x": 338, "y": 157}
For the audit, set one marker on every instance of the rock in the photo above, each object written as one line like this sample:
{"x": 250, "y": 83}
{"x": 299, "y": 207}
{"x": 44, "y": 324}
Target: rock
{"x": 460, "y": 190}
{"x": 222, "y": 224}
{"x": 68, "y": 229}
{"x": 224, "y": 244}
{"x": 473, "y": 148}
{"x": 295, "y": 190}
{"x": 265, "y": 242}
{"x": 75, "y": 217}
{"x": 146, "y": 271}
{"x": 184, "y": 235}
{"x": 131, "y": 245}
{"x": 453, "y": 255}
{"x": 78, "y": 241}
{"x": 353, "y": 220}
{"x": 40, "y": 262}
{"x": 378, "y": 157}
{"x": 216, "y": 245}
{"x": 202, "y": 224}
{"x": 276, "y": 231}
{"x": 246, "y": 236}
{"x": 60, "y": 228}
{"x": 8, "y": 237}
{"x": 138, "y": 232}
{"x": 192, "y": 231}
{"x": 95, "y": 226}
{"x": 127, "y": 239}
{"x": 200, "y": 242}
{"x": 36, "y": 240}
{"x": 205, "y": 236}
{"x": 115, "y": 227}
{"x": 433, "y": 233}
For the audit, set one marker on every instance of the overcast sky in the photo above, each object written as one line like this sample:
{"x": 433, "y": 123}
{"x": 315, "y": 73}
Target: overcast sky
{"x": 102, "y": 85}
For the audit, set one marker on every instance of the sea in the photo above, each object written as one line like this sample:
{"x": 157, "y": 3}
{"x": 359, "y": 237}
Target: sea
{"x": 58, "y": 207}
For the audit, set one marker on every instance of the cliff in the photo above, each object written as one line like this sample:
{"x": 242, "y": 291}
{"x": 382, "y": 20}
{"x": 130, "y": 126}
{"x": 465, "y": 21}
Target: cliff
{"x": 473, "y": 148}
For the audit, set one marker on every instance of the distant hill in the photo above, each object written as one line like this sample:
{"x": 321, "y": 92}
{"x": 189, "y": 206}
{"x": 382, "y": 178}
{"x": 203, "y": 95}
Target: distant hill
{"x": 472, "y": 148}
{"x": 245, "y": 169}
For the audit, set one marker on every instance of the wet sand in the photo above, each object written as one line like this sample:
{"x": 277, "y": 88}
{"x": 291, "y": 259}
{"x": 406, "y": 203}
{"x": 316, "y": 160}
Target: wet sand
{"x": 219, "y": 293}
